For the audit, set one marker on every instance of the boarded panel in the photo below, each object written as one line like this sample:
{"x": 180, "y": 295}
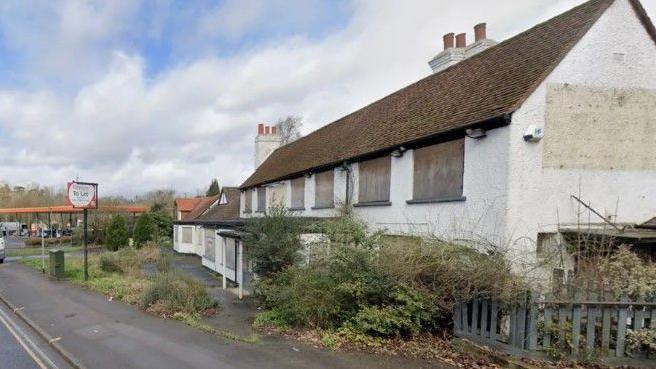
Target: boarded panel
{"x": 187, "y": 234}
{"x": 277, "y": 195}
{"x": 374, "y": 180}
{"x": 438, "y": 171}
{"x": 592, "y": 128}
{"x": 248, "y": 201}
{"x": 261, "y": 198}
{"x": 209, "y": 245}
{"x": 324, "y": 189}
{"x": 298, "y": 193}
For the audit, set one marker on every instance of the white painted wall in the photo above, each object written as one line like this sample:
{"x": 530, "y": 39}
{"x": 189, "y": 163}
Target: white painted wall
{"x": 480, "y": 217}
{"x": 539, "y": 198}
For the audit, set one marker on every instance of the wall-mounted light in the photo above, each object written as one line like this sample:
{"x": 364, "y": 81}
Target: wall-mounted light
{"x": 397, "y": 153}
{"x": 344, "y": 167}
{"x": 308, "y": 175}
{"x": 476, "y": 133}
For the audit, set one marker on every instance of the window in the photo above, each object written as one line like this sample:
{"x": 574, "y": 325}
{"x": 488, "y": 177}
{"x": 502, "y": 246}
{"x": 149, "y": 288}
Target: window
{"x": 298, "y": 193}
{"x": 261, "y": 199}
{"x": 374, "y": 180}
{"x": 248, "y": 201}
{"x": 177, "y": 235}
{"x": 187, "y": 235}
{"x": 438, "y": 171}
{"x": 323, "y": 192}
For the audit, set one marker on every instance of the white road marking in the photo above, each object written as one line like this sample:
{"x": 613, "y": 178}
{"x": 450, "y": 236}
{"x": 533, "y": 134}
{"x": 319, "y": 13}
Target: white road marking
{"x": 28, "y": 345}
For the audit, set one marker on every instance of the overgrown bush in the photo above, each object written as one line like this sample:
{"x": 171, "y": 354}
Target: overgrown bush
{"x": 175, "y": 292}
{"x": 626, "y": 274}
{"x": 117, "y": 233}
{"x": 144, "y": 230}
{"x": 273, "y": 241}
{"x": 128, "y": 260}
{"x": 363, "y": 285}
{"x": 643, "y": 340}
{"x": 163, "y": 224}
{"x": 447, "y": 272}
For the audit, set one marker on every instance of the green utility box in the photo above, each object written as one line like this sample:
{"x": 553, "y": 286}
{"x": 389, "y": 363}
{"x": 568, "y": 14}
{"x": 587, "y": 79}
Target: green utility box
{"x": 57, "y": 264}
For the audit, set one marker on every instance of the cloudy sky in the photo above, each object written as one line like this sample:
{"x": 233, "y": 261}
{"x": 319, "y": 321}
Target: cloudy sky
{"x": 145, "y": 94}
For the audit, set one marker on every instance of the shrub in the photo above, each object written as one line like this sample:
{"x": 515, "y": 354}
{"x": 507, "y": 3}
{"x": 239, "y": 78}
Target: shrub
{"x": 117, "y": 233}
{"x": 642, "y": 340}
{"x": 173, "y": 292}
{"x": 144, "y": 230}
{"x": 625, "y": 273}
{"x": 274, "y": 241}
{"x": 446, "y": 272}
{"x": 163, "y": 224}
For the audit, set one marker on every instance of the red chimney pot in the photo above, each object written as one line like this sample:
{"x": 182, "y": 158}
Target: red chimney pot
{"x": 480, "y": 32}
{"x": 461, "y": 40}
{"x": 448, "y": 41}
{"x": 260, "y": 129}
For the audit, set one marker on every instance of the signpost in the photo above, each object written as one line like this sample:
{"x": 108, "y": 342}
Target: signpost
{"x": 83, "y": 195}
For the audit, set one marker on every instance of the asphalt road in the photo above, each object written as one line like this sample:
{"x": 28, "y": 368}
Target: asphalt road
{"x": 22, "y": 349}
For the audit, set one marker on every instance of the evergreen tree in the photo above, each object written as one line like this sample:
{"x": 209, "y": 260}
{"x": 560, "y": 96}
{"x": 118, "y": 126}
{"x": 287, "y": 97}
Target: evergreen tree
{"x": 117, "y": 233}
{"x": 214, "y": 188}
{"x": 144, "y": 230}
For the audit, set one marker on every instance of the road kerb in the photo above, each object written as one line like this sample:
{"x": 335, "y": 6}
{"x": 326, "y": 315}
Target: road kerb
{"x": 55, "y": 343}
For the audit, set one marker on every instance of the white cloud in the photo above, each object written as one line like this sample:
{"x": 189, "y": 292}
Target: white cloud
{"x": 196, "y": 120}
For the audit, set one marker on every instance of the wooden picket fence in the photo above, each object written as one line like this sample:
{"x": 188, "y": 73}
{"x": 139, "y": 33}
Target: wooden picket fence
{"x": 572, "y": 326}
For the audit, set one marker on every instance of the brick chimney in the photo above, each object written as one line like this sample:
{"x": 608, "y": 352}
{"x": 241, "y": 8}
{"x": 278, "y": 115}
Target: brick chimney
{"x": 448, "y": 41}
{"x": 461, "y": 40}
{"x": 453, "y": 55}
{"x": 266, "y": 141}
{"x": 480, "y": 32}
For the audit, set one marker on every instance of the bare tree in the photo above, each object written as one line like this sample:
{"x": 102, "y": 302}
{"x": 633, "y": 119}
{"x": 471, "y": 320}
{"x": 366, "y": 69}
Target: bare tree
{"x": 289, "y": 128}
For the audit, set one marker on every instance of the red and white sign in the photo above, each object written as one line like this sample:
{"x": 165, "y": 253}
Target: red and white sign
{"x": 83, "y": 195}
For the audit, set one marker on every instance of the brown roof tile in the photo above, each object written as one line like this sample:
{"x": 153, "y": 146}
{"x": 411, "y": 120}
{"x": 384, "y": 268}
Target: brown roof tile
{"x": 227, "y": 211}
{"x": 489, "y": 85}
{"x": 200, "y": 207}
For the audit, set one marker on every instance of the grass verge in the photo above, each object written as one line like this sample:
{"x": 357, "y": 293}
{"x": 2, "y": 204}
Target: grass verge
{"x": 34, "y": 251}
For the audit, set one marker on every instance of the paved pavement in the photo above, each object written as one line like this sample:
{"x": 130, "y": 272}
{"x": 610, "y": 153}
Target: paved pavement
{"x": 14, "y": 242}
{"x": 106, "y": 334}
{"x": 20, "y": 348}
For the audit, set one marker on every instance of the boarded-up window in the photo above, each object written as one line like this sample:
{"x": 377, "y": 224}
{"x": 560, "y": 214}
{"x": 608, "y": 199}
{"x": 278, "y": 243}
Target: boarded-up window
{"x": 298, "y": 193}
{"x": 248, "y": 201}
{"x": 231, "y": 254}
{"x": 187, "y": 234}
{"x": 374, "y": 180}
{"x": 438, "y": 171}
{"x": 261, "y": 198}
{"x": 323, "y": 193}
{"x": 177, "y": 234}
{"x": 209, "y": 245}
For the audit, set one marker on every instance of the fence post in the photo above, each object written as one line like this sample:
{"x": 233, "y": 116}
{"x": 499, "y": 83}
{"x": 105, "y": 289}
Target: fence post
{"x": 590, "y": 331}
{"x": 484, "y": 333}
{"x": 532, "y": 322}
{"x": 456, "y": 318}
{"x": 576, "y": 325}
{"x": 621, "y": 328}
{"x": 521, "y": 324}
{"x": 494, "y": 318}
{"x": 562, "y": 319}
{"x": 474, "y": 327}
{"x": 605, "y": 330}
{"x": 548, "y": 321}
{"x": 652, "y": 324}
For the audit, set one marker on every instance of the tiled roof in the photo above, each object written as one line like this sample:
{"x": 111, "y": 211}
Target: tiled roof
{"x": 476, "y": 91}
{"x": 227, "y": 211}
{"x": 203, "y": 204}
{"x": 651, "y": 224}
{"x": 184, "y": 204}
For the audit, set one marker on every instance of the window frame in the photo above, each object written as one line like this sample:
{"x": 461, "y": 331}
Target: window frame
{"x": 419, "y": 195}
{"x": 327, "y": 204}
{"x": 261, "y": 202}
{"x": 294, "y": 204}
{"x": 369, "y": 174}
{"x": 248, "y": 201}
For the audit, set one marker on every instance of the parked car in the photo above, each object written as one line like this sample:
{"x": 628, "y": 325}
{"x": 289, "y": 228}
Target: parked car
{"x": 3, "y": 244}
